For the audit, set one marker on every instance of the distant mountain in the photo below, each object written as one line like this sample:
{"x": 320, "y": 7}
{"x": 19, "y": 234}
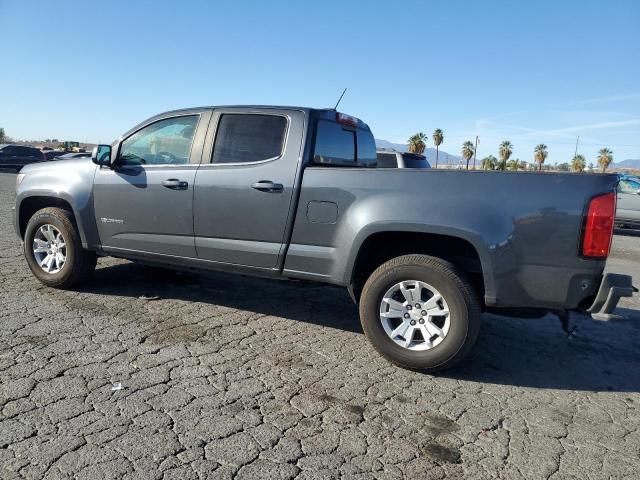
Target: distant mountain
{"x": 627, "y": 164}
{"x": 430, "y": 153}
{"x": 387, "y": 144}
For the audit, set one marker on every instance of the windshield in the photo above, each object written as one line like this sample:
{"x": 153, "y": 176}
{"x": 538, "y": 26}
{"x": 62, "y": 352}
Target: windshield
{"x": 627, "y": 185}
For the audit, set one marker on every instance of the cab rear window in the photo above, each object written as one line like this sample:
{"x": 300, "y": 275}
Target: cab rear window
{"x": 343, "y": 146}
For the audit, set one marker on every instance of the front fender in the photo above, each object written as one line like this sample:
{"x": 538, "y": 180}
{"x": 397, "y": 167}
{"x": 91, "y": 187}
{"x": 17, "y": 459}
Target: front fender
{"x": 67, "y": 181}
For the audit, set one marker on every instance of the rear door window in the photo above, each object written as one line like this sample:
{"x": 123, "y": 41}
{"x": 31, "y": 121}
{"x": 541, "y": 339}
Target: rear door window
{"x": 247, "y": 138}
{"x": 26, "y": 151}
{"x": 33, "y": 153}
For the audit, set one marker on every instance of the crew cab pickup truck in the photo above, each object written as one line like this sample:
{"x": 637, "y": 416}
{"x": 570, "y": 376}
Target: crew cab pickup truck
{"x": 296, "y": 193}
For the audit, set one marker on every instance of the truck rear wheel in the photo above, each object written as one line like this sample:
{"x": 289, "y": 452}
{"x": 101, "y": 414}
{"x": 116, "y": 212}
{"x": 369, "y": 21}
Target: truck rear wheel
{"x": 420, "y": 313}
{"x": 53, "y": 249}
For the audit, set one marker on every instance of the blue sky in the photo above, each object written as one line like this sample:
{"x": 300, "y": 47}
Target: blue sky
{"x": 530, "y": 72}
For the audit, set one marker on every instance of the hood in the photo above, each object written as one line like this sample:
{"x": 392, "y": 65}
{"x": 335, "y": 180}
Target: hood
{"x": 73, "y": 165}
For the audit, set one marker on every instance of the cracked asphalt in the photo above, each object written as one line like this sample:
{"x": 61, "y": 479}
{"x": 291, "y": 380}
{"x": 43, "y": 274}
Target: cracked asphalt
{"x": 233, "y": 377}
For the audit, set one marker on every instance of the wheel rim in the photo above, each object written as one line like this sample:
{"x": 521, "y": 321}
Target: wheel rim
{"x": 49, "y": 248}
{"x": 415, "y": 315}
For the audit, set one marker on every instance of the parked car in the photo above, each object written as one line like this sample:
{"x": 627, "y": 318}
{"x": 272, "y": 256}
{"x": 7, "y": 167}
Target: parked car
{"x": 289, "y": 192}
{"x": 628, "y": 211}
{"x": 394, "y": 159}
{"x": 17, "y": 156}
{"x": 635, "y": 178}
{"x": 52, "y": 154}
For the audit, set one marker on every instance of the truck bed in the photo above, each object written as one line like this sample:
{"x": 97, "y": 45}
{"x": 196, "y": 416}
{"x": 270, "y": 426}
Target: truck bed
{"x": 525, "y": 227}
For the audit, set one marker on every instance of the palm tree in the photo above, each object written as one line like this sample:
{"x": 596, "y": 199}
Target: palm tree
{"x": 488, "y": 163}
{"x": 438, "y": 138}
{"x": 513, "y": 164}
{"x": 540, "y": 155}
{"x": 578, "y": 163}
{"x": 3, "y": 136}
{"x": 467, "y": 151}
{"x": 417, "y": 143}
{"x": 505, "y": 151}
{"x": 605, "y": 157}
{"x": 591, "y": 166}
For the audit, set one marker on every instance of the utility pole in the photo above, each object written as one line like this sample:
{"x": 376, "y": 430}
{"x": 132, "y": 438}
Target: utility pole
{"x": 474, "y": 153}
{"x": 576, "y": 154}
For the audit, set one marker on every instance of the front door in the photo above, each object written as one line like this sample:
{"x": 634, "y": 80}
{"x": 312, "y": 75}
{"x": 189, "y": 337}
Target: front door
{"x": 145, "y": 203}
{"x": 245, "y": 186}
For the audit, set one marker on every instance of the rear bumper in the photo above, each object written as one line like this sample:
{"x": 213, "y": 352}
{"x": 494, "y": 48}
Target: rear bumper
{"x": 612, "y": 288}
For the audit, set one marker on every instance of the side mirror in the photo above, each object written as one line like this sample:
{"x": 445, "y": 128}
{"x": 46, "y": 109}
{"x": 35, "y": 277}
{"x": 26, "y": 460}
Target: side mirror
{"x": 101, "y": 155}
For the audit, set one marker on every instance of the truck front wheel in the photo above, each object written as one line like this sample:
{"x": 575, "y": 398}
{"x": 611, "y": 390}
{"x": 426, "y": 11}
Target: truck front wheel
{"x": 53, "y": 249}
{"x": 420, "y": 312}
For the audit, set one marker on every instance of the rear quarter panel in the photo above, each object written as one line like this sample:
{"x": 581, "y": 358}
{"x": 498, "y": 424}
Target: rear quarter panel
{"x": 525, "y": 227}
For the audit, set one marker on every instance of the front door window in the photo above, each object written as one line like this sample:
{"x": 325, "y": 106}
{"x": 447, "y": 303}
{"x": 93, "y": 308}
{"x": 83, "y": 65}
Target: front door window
{"x": 167, "y": 142}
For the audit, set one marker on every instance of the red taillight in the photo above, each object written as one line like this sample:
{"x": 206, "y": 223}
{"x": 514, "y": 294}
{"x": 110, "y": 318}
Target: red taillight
{"x": 598, "y": 227}
{"x": 345, "y": 119}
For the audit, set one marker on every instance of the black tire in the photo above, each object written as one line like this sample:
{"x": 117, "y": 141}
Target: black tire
{"x": 461, "y": 298}
{"x": 79, "y": 263}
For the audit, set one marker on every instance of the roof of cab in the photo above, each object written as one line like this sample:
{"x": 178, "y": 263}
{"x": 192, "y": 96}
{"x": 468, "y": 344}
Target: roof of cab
{"x": 324, "y": 113}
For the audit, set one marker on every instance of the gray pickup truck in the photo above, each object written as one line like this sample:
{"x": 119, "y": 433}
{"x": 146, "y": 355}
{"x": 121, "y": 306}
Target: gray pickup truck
{"x": 296, "y": 193}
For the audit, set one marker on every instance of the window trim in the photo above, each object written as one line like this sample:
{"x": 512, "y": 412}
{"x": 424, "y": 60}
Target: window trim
{"x": 144, "y": 165}
{"x": 283, "y": 151}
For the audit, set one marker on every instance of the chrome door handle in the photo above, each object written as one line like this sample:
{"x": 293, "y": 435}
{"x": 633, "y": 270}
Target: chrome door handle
{"x": 175, "y": 184}
{"x": 268, "y": 186}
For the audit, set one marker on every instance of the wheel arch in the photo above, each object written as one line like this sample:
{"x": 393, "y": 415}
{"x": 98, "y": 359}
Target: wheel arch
{"x": 28, "y": 206}
{"x": 464, "y": 249}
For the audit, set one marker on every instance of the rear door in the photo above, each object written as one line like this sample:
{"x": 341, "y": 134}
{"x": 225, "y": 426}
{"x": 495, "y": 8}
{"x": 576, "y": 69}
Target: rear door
{"x": 244, "y": 188}
{"x": 21, "y": 156}
{"x": 31, "y": 155}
